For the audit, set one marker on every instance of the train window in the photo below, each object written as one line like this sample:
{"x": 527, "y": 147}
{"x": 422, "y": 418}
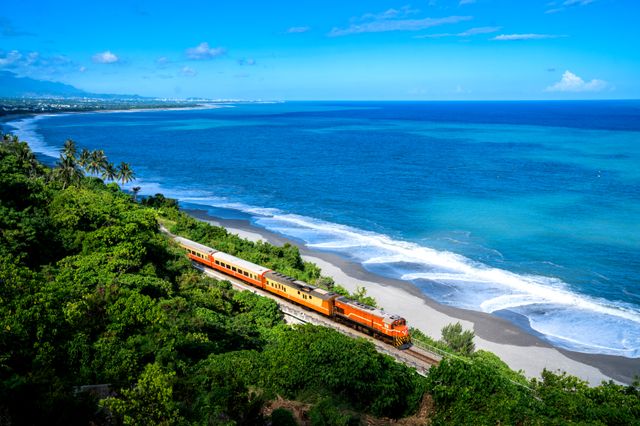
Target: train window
{"x": 233, "y": 268}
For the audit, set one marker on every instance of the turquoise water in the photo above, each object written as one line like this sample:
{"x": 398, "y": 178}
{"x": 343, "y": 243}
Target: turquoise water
{"x": 526, "y": 208}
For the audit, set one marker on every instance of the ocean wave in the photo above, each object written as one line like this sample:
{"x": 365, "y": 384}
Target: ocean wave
{"x": 26, "y": 129}
{"x": 566, "y": 318}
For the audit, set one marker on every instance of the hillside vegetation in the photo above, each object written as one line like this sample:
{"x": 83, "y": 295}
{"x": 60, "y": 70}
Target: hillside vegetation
{"x": 104, "y": 321}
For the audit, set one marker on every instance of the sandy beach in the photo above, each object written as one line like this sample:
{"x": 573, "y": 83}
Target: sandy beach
{"x": 519, "y": 349}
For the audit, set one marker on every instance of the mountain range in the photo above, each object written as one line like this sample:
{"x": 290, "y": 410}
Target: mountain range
{"x": 12, "y": 86}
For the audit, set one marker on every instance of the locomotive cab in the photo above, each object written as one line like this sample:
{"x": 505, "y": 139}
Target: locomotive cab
{"x": 402, "y": 338}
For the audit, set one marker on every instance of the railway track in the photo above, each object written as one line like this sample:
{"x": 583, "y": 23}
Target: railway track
{"x": 426, "y": 356}
{"x": 418, "y": 358}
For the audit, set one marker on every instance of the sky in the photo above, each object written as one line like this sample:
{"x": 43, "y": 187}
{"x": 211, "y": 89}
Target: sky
{"x": 330, "y": 49}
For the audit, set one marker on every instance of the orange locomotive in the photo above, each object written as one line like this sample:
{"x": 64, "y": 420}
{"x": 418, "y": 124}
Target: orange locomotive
{"x": 389, "y": 328}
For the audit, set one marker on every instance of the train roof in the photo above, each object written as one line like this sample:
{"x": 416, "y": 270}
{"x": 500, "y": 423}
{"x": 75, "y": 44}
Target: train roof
{"x": 387, "y": 317}
{"x": 194, "y": 245}
{"x": 244, "y": 264}
{"x": 300, "y": 285}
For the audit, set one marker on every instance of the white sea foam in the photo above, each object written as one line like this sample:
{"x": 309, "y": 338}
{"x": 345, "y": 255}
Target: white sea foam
{"x": 26, "y": 129}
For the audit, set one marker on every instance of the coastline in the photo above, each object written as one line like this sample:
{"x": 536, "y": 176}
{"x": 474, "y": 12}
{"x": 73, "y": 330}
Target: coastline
{"x": 519, "y": 349}
{"x": 6, "y": 118}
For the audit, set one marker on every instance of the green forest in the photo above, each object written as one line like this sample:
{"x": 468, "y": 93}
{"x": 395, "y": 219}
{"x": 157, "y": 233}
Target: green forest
{"x": 104, "y": 321}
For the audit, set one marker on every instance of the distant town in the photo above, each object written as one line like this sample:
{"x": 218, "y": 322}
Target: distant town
{"x": 27, "y": 105}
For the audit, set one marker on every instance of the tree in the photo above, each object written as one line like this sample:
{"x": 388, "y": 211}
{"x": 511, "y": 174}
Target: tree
{"x": 69, "y": 149}
{"x": 109, "y": 172}
{"x": 475, "y": 393}
{"x": 135, "y": 191}
{"x": 84, "y": 159}
{"x": 23, "y": 153}
{"x": 125, "y": 173}
{"x": 150, "y": 402}
{"x": 97, "y": 162}
{"x": 326, "y": 282}
{"x": 458, "y": 340}
{"x": 67, "y": 171}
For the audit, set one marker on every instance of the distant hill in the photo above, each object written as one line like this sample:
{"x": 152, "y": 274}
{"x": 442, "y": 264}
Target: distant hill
{"x": 12, "y": 86}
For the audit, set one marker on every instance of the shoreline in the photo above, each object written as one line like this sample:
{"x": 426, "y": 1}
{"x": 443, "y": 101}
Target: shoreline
{"x": 519, "y": 349}
{"x": 4, "y": 119}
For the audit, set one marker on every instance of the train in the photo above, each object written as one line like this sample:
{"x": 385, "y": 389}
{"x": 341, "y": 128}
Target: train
{"x": 387, "y": 327}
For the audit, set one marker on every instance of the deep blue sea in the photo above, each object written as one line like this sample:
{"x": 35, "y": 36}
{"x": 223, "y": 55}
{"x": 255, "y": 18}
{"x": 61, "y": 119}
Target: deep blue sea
{"x": 528, "y": 210}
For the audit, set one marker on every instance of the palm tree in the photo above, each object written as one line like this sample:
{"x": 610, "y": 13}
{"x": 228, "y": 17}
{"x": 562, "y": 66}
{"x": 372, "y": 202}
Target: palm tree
{"x": 84, "y": 159}
{"x": 68, "y": 171}
{"x": 97, "y": 162}
{"x": 69, "y": 149}
{"x": 109, "y": 172}
{"x": 135, "y": 191}
{"x": 125, "y": 173}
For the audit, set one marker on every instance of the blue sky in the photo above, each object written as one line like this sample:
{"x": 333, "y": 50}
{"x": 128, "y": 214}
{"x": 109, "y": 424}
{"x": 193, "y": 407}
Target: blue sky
{"x": 290, "y": 50}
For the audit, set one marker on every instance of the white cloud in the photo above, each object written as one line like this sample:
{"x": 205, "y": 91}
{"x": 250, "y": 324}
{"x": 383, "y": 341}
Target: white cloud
{"x": 567, "y": 4}
{"x": 162, "y": 61}
{"x": 509, "y": 37}
{"x": 105, "y": 57}
{"x": 470, "y": 32}
{"x": 463, "y": 2}
{"x": 298, "y": 30}
{"x": 577, "y": 2}
{"x": 572, "y": 83}
{"x": 478, "y": 30}
{"x": 385, "y": 25}
{"x": 33, "y": 64}
{"x": 203, "y": 51}
{"x": 188, "y": 72}
{"x": 82, "y": 69}
{"x": 403, "y": 12}
{"x": 9, "y": 58}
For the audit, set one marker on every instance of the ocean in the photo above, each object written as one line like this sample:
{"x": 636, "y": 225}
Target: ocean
{"x": 526, "y": 210}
